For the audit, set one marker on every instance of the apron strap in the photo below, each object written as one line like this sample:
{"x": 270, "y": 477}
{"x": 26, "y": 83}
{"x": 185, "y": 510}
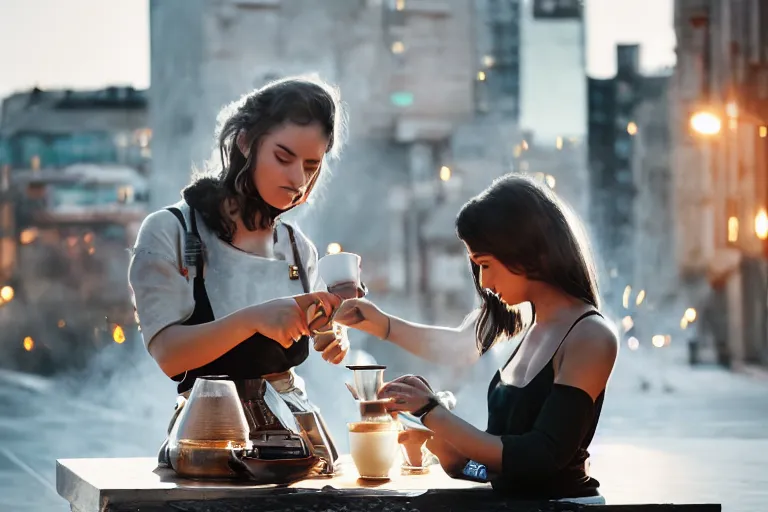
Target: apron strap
{"x": 297, "y": 259}
{"x": 193, "y": 245}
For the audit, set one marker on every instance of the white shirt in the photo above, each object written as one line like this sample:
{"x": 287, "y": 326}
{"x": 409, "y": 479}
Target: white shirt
{"x": 234, "y": 279}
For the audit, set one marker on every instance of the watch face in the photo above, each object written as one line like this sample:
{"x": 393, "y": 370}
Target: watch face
{"x": 475, "y": 471}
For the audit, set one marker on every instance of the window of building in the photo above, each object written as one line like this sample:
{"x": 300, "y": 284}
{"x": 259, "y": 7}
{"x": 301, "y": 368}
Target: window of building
{"x": 623, "y": 147}
{"x": 5, "y": 152}
{"x": 624, "y": 176}
{"x": 624, "y": 92}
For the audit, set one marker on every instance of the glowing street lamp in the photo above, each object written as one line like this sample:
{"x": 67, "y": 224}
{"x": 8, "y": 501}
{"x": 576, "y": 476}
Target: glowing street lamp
{"x": 706, "y": 123}
{"x": 761, "y": 224}
{"x": 118, "y": 335}
{"x": 6, "y": 294}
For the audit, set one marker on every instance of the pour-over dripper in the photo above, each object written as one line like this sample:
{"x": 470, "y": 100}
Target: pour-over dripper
{"x": 368, "y": 380}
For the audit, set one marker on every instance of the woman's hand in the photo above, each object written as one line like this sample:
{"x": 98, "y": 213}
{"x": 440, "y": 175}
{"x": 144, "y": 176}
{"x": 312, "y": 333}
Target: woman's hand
{"x": 285, "y": 321}
{"x": 407, "y": 394}
{"x": 281, "y": 320}
{"x": 318, "y": 308}
{"x": 363, "y": 315}
{"x": 416, "y": 381}
{"x": 333, "y": 344}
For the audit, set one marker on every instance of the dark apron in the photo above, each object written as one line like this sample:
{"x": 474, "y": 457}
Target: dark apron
{"x": 257, "y": 357}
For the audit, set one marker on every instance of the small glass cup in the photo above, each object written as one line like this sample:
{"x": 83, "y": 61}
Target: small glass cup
{"x": 412, "y": 446}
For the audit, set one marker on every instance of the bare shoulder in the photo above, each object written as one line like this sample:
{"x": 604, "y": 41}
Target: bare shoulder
{"x": 596, "y": 336}
{"x": 589, "y": 354}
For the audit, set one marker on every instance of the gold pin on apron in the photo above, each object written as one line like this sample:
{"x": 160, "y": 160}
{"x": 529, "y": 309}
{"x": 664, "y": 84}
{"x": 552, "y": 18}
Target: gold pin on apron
{"x": 293, "y": 272}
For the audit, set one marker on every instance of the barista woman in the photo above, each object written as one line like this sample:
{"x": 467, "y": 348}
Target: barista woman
{"x": 218, "y": 279}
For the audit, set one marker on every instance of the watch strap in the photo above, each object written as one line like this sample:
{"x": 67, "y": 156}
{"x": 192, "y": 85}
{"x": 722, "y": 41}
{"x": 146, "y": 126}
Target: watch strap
{"x": 431, "y": 404}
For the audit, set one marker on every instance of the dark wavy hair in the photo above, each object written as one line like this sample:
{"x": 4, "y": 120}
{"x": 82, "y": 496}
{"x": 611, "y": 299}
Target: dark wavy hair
{"x": 525, "y": 226}
{"x": 298, "y": 100}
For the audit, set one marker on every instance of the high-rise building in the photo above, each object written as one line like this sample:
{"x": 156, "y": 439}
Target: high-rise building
{"x": 553, "y": 67}
{"x": 498, "y": 44}
{"x": 720, "y": 171}
{"x": 58, "y": 127}
{"x": 612, "y": 105}
{"x": 553, "y": 98}
{"x": 405, "y": 68}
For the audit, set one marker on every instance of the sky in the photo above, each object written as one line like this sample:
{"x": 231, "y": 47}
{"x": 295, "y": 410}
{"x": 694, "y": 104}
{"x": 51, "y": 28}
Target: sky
{"x": 93, "y": 43}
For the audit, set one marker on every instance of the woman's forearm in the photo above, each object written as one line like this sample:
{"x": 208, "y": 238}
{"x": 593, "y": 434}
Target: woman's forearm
{"x": 444, "y": 345}
{"x": 469, "y": 441}
{"x": 180, "y": 348}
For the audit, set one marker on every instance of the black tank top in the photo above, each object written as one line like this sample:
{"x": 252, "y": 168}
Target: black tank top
{"x": 513, "y": 410}
{"x": 254, "y": 357}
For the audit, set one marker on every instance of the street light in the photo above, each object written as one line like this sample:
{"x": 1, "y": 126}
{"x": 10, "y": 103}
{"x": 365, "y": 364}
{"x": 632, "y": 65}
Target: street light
{"x": 706, "y": 123}
{"x": 6, "y": 294}
{"x": 733, "y": 229}
{"x": 761, "y": 224}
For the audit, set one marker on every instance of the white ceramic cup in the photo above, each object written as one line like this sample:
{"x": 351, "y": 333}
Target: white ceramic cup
{"x": 373, "y": 448}
{"x": 343, "y": 267}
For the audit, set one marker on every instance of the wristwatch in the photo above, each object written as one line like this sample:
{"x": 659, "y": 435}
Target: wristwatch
{"x": 423, "y": 411}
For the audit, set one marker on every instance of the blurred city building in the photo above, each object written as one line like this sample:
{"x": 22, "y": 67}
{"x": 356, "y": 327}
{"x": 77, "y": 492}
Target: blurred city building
{"x": 435, "y": 91}
{"x": 554, "y": 96}
{"x": 73, "y": 192}
{"x": 617, "y": 158}
{"x": 719, "y": 100}
{"x": 654, "y": 272}
{"x": 55, "y": 128}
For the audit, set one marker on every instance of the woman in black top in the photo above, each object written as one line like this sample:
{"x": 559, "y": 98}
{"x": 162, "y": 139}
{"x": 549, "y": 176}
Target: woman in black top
{"x": 525, "y": 246}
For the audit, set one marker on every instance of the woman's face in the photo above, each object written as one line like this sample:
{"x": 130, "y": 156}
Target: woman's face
{"x": 495, "y": 276}
{"x": 287, "y": 160}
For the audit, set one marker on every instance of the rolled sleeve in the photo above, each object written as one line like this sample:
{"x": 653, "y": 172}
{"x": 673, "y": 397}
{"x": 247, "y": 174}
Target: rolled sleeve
{"x": 162, "y": 295}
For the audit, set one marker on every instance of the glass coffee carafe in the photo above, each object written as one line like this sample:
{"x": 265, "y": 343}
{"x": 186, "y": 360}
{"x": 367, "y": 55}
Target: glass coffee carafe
{"x": 243, "y": 429}
{"x": 211, "y": 428}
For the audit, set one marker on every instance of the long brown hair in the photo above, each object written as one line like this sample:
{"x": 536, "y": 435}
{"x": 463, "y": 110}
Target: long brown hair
{"x": 525, "y": 226}
{"x": 302, "y": 101}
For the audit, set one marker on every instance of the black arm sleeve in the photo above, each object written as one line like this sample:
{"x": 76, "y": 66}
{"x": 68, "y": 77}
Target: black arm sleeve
{"x": 561, "y": 426}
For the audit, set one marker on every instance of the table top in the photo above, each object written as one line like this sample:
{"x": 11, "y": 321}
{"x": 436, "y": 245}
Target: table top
{"x": 90, "y": 483}
{"x": 120, "y": 484}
